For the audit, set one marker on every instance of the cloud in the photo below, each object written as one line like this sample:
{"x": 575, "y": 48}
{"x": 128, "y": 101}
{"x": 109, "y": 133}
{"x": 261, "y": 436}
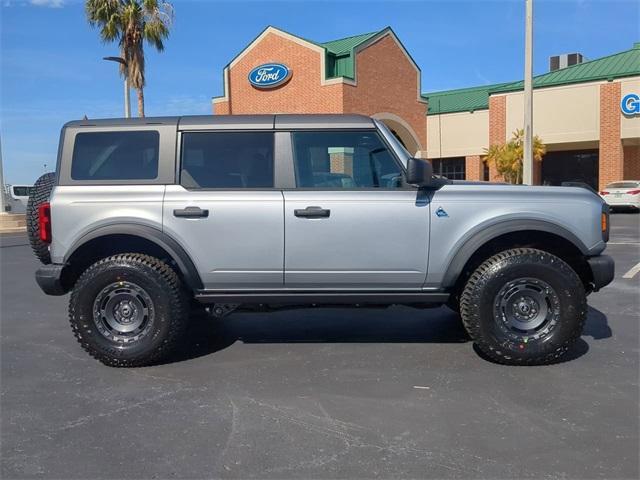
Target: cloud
{"x": 47, "y": 3}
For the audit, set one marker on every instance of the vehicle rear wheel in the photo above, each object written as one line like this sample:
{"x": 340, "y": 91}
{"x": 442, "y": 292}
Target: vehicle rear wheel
{"x": 41, "y": 192}
{"x": 524, "y": 307}
{"x": 128, "y": 310}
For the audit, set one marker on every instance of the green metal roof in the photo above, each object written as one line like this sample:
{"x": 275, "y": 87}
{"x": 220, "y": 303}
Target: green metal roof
{"x": 460, "y": 100}
{"x": 618, "y": 65}
{"x": 343, "y": 46}
{"x": 340, "y": 57}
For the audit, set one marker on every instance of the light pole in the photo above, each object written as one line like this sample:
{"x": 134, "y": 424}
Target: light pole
{"x": 127, "y": 102}
{"x": 2, "y": 204}
{"x": 527, "y": 160}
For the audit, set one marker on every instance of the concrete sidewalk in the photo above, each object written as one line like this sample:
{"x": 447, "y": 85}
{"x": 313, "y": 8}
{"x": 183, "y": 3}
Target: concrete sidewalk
{"x": 13, "y": 222}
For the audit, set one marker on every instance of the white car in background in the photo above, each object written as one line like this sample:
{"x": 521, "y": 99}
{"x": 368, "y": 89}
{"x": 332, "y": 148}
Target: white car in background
{"x": 624, "y": 194}
{"x": 17, "y": 197}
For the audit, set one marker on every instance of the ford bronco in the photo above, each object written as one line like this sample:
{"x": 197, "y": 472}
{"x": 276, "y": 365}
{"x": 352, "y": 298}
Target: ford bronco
{"x": 145, "y": 218}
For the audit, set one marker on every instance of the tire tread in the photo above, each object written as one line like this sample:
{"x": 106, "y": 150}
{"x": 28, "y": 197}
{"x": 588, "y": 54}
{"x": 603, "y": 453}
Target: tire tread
{"x": 177, "y": 299}
{"x": 470, "y": 315}
{"x": 41, "y": 193}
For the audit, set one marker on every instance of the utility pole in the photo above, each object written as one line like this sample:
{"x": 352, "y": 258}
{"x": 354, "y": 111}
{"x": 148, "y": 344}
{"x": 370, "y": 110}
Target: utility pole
{"x": 127, "y": 101}
{"x": 2, "y": 204}
{"x": 527, "y": 159}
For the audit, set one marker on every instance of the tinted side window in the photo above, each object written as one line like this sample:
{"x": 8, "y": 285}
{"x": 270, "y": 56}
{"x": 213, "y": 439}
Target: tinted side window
{"x": 344, "y": 160}
{"x": 227, "y": 160}
{"x": 127, "y": 155}
{"x": 22, "y": 191}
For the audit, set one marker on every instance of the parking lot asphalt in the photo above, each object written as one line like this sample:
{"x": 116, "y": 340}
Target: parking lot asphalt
{"x": 327, "y": 393}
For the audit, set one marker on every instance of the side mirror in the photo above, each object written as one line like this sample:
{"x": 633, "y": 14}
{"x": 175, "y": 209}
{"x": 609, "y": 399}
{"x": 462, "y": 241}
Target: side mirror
{"x": 419, "y": 172}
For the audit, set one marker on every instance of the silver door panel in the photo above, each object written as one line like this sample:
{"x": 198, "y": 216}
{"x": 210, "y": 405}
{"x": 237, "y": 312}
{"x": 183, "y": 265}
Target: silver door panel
{"x": 372, "y": 239}
{"x": 240, "y": 244}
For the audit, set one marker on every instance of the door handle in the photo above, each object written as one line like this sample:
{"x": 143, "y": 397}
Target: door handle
{"x": 191, "y": 212}
{"x": 312, "y": 212}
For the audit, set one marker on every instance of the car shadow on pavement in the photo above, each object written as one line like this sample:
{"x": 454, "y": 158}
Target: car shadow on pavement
{"x": 208, "y": 335}
{"x": 597, "y": 325}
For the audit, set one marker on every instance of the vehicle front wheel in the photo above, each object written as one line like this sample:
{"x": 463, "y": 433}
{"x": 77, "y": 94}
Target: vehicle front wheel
{"x": 128, "y": 310}
{"x": 524, "y": 307}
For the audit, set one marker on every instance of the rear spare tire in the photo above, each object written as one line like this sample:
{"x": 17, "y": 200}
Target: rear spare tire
{"x": 41, "y": 192}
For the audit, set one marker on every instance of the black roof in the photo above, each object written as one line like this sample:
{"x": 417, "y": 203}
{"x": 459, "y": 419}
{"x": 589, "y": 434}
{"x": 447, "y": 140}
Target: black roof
{"x": 200, "y": 122}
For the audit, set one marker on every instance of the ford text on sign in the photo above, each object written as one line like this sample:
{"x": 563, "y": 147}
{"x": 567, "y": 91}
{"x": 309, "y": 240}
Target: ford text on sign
{"x": 269, "y": 75}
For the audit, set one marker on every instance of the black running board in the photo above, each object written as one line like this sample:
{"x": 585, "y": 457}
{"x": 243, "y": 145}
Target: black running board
{"x": 321, "y": 298}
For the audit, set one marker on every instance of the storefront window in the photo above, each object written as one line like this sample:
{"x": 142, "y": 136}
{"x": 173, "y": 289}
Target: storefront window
{"x": 451, "y": 168}
{"x": 570, "y": 166}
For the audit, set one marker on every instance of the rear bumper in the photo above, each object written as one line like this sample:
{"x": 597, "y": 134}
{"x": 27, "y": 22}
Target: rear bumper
{"x": 602, "y": 270}
{"x": 49, "y": 277}
{"x": 635, "y": 203}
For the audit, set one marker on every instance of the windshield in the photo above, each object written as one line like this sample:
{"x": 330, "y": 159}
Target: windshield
{"x": 395, "y": 144}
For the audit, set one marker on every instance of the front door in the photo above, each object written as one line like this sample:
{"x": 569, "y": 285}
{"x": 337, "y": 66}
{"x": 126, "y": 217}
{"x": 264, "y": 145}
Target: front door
{"x": 225, "y": 212}
{"x": 352, "y": 222}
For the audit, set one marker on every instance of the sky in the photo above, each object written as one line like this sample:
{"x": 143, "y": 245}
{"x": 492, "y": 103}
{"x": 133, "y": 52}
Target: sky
{"x": 52, "y": 69}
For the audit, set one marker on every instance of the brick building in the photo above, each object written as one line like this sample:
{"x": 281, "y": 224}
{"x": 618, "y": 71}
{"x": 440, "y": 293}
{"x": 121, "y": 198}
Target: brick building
{"x": 577, "y": 109}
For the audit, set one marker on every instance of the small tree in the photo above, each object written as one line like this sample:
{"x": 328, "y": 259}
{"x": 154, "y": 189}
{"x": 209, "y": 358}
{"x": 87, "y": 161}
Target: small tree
{"x": 131, "y": 23}
{"x": 507, "y": 158}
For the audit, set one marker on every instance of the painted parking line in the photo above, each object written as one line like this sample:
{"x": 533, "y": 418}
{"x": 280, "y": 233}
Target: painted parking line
{"x": 632, "y": 272}
{"x": 623, "y": 243}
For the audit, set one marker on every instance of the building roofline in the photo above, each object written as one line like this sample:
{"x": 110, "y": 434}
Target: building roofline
{"x": 473, "y": 98}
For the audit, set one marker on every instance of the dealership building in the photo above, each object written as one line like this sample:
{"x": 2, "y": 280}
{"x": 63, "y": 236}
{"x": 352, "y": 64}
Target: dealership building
{"x": 587, "y": 113}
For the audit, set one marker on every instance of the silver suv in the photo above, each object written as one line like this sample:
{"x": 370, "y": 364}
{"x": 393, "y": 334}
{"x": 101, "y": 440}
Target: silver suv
{"x": 145, "y": 215}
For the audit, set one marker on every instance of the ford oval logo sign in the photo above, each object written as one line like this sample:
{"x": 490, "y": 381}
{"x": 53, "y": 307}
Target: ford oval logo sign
{"x": 269, "y": 75}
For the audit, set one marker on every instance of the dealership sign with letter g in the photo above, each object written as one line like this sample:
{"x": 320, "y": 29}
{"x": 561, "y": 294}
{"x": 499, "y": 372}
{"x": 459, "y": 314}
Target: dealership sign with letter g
{"x": 630, "y": 104}
{"x": 269, "y": 75}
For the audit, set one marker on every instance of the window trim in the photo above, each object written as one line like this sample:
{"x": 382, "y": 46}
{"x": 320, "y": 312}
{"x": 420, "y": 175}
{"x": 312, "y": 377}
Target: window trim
{"x": 166, "y": 155}
{"x": 180, "y": 159}
{"x": 405, "y": 186}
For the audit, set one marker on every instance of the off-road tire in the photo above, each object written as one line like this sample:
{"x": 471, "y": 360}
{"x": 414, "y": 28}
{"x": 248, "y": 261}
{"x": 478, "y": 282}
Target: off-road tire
{"x": 486, "y": 326}
{"x": 169, "y": 307}
{"x": 41, "y": 192}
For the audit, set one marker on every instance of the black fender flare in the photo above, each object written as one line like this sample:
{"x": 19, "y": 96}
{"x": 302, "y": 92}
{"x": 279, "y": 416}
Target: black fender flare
{"x": 480, "y": 235}
{"x": 161, "y": 239}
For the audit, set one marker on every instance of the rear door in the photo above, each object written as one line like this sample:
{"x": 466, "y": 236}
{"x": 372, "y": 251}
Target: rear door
{"x": 352, "y": 222}
{"x": 226, "y": 212}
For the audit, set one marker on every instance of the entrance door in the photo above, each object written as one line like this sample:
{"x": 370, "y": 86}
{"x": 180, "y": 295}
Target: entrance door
{"x": 352, "y": 222}
{"x": 226, "y": 213}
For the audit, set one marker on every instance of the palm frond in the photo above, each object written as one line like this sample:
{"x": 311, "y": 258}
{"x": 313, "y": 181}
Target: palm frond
{"x": 131, "y": 23}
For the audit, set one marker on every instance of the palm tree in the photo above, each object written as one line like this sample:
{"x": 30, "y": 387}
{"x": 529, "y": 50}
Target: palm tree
{"x": 131, "y": 23}
{"x": 507, "y": 157}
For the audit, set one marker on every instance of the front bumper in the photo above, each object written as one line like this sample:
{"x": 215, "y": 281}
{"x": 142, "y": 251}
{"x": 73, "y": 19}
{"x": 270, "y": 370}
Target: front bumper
{"x": 49, "y": 279}
{"x": 602, "y": 270}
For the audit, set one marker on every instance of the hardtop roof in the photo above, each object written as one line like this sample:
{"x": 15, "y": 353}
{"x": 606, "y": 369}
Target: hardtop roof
{"x": 229, "y": 122}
